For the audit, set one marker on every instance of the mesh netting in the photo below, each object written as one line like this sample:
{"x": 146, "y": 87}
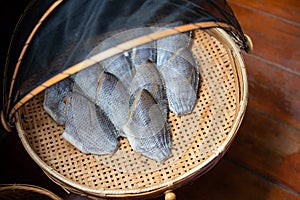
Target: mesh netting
{"x": 52, "y": 36}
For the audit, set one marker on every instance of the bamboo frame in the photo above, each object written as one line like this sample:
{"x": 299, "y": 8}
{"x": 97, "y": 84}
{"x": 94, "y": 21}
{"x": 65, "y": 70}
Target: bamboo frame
{"x": 25, "y": 189}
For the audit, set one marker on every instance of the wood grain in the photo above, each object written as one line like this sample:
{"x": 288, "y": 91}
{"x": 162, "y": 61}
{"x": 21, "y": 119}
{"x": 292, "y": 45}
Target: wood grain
{"x": 228, "y": 181}
{"x": 274, "y": 40}
{"x": 273, "y": 91}
{"x": 268, "y": 141}
{"x": 269, "y": 147}
{"x": 288, "y": 10}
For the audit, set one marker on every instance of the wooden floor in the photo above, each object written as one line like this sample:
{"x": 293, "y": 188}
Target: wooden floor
{"x": 263, "y": 163}
{"x": 269, "y": 139}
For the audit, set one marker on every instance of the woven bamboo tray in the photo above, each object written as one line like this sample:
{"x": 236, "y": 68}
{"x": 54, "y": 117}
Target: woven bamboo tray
{"x": 199, "y": 139}
{"x": 25, "y": 192}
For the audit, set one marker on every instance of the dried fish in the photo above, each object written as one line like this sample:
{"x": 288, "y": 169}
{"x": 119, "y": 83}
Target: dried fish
{"x": 137, "y": 54}
{"x": 88, "y": 128}
{"x": 86, "y": 81}
{"x": 130, "y": 94}
{"x": 147, "y": 77}
{"x": 120, "y": 67}
{"x": 146, "y": 128}
{"x": 54, "y": 100}
{"x": 181, "y": 77}
{"x": 113, "y": 99}
{"x": 143, "y": 53}
{"x": 168, "y": 45}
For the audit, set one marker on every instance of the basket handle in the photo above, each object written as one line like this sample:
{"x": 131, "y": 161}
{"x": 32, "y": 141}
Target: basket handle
{"x": 170, "y": 195}
{"x": 5, "y": 123}
{"x": 250, "y": 44}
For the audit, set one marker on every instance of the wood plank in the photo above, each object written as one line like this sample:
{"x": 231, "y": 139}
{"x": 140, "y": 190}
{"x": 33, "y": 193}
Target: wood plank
{"x": 273, "y": 91}
{"x": 269, "y": 147}
{"x": 228, "y": 181}
{"x": 273, "y": 39}
{"x": 286, "y": 10}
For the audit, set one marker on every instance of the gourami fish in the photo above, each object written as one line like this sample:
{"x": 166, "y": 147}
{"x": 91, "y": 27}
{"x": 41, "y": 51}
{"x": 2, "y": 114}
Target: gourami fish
{"x": 113, "y": 99}
{"x": 88, "y": 128}
{"x": 146, "y": 128}
{"x": 147, "y": 77}
{"x": 86, "y": 81}
{"x": 143, "y": 53}
{"x": 120, "y": 66}
{"x": 179, "y": 69}
{"x": 54, "y": 100}
{"x": 181, "y": 77}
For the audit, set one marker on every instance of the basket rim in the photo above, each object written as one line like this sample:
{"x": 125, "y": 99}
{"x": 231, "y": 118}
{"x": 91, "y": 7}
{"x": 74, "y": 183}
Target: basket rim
{"x": 29, "y": 187}
{"x": 217, "y": 154}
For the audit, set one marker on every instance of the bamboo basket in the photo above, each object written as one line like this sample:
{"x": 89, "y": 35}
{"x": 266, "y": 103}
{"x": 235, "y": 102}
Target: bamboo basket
{"x": 199, "y": 139}
{"x": 25, "y": 191}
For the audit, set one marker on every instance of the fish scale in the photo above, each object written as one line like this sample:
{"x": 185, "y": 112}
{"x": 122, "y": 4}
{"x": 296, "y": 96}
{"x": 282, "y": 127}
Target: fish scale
{"x": 147, "y": 77}
{"x": 147, "y": 128}
{"x": 181, "y": 78}
{"x": 113, "y": 99}
{"x": 87, "y": 79}
{"x": 143, "y": 53}
{"x": 120, "y": 67}
{"x": 54, "y": 100}
{"x": 88, "y": 128}
{"x": 178, "y": 67}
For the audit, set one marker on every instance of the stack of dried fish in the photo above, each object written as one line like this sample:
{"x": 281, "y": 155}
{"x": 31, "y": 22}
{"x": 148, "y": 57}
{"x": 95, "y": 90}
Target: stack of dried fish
{"x": 128, "y": 95}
